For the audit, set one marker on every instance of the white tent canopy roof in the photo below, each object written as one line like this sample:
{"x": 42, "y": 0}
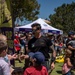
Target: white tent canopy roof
{"x": 44, "y": 25}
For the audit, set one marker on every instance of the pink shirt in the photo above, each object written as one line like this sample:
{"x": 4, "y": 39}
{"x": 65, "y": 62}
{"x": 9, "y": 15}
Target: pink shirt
{"x": 65, "y": 68}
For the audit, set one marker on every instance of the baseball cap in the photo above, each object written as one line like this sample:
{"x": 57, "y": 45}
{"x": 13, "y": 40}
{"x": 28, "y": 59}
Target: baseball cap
{"x": 71, "y": 33}
{"x": 40, "y": 58}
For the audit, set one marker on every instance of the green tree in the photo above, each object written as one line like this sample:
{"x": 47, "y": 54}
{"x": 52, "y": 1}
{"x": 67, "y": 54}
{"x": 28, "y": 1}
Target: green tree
{"x": 64, "y": 17}
{"x": 27, "y": 8}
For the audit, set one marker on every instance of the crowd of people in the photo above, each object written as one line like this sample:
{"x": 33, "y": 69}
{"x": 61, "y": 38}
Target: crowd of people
{"x": 39, "y": 52}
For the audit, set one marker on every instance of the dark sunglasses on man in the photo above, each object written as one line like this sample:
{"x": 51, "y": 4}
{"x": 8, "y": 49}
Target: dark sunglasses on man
{"x": 34, "y": 30}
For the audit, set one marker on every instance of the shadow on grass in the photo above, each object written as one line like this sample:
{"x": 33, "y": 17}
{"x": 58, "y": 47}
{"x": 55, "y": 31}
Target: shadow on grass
{"x": 59, "y": 72}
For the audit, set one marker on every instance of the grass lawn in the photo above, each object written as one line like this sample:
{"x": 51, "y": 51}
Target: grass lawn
{"x": 17, "y": 64}
{"x": 56, "y": 71}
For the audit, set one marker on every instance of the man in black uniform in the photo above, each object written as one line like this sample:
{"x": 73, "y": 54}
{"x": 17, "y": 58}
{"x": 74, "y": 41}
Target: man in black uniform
{"x": 42, "y": 44}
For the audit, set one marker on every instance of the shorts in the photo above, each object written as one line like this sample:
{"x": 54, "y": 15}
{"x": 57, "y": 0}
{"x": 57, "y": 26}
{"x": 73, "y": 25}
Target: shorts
{"x": 68, "y": 73}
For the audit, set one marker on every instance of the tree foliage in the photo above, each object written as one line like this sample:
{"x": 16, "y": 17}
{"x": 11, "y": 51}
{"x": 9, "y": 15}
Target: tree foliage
{"x": 27, "y": 8}
{"x": 64, "y": 17}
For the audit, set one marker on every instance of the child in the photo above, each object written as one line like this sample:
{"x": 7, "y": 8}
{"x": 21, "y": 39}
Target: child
{"x": 37, "y": 59}
{"x": 66, "y": 69}
{"x": 3, "y": 64}
{"x": 8, "y": 57}
{"x": 17, "y": 47}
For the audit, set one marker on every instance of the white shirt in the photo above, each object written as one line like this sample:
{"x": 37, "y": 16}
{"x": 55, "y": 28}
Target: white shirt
{"x": 5, "y": 66}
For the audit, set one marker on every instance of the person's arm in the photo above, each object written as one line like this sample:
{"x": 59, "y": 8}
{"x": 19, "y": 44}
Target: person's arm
{"x": 70, "y": 47}
{"x": 6, "y": 70}
{"x": 53, "y": 51}
{"x": 27, "y": 50}
{"x": 24, "y": 57}
{"x": 53, "y": 57}
{"x": 69, "y": 62}
{"x": 11, "y": 57}
{"x": 69, "y": 44}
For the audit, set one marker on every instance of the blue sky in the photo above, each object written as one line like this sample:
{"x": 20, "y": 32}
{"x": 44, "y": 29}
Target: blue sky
{"x": 47, "y": 6}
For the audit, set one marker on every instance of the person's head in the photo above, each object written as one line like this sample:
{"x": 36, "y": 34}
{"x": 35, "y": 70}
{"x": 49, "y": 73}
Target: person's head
{"x": 16, "y": 37}
{"x": 68, "y": 53}
{"x": 3, "y": 37}
{"x": 59, "y": 37}
{"x": 3, "y": 48}
{"x": 22, "y": 36}
{"x": 29, "y": 36}
{"x": 37, "y": 58}
{"x": 71, "y": 34}
{"x": 50, "y": 35}
{"x": 36, "y": 28}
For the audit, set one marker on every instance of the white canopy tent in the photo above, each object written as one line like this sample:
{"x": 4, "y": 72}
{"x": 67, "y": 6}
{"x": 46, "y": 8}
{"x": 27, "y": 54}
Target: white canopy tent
{"x": 45, "y": 27}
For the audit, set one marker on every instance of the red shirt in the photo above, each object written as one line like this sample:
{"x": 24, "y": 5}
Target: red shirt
{"x": 40, "y": 70}
{"x": 17, "y": 43}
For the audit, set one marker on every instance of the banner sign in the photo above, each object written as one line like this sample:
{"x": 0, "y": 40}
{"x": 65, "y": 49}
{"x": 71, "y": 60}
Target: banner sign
{"x": 9, "y": 33}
